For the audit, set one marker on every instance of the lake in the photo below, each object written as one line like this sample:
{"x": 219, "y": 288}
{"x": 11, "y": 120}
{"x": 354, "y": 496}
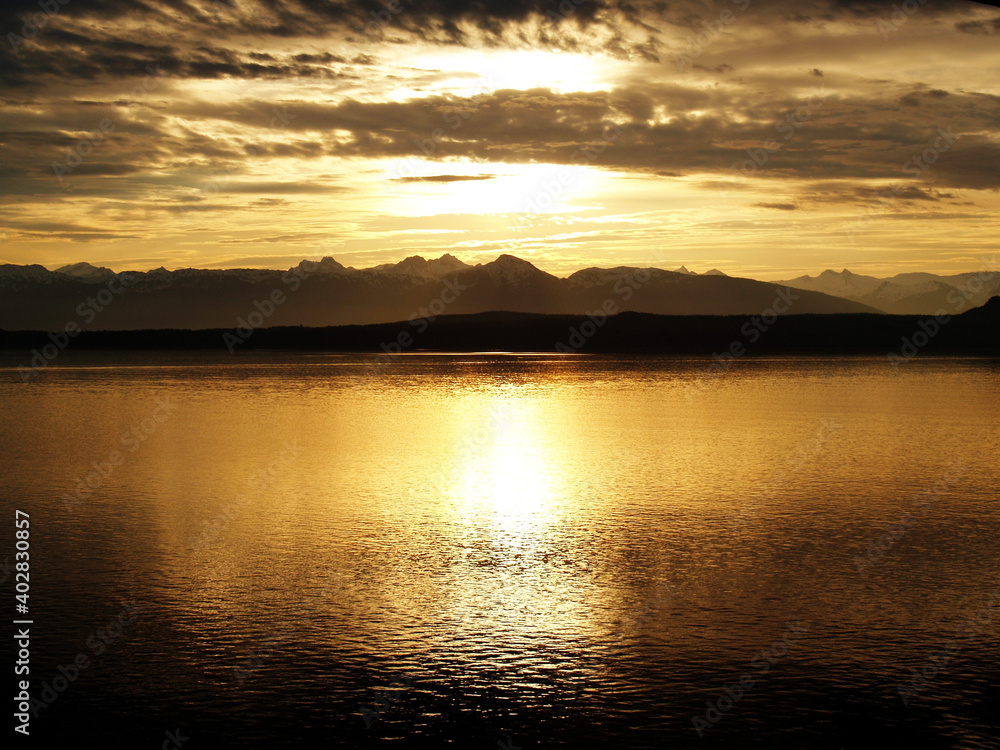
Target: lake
{"x": 539, "y": 551}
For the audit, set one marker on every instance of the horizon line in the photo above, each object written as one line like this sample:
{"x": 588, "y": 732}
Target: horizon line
{"x": 731, "y": 274}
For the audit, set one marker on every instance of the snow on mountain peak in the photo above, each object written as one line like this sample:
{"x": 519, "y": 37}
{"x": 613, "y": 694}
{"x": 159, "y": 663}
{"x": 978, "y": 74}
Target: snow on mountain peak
{"x": 325, "y": 266}
{"x": 86, "y": 272}
{"x": 510, "y": 268}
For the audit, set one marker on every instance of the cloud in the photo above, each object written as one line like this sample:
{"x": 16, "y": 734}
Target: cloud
{"x": 282, "y": 188}
{"x": 448, "y": 178}
{"x": 708, "y": 134}
{"x": 984, "y": 28}
{"x": 85, "y": 40}
{"x": 196, "y": 208}
{"x": 892, "y": 196}
{"x": 360, "y": 98}
{"x": 778, "y": 206}
{"x": 841, "y": 138}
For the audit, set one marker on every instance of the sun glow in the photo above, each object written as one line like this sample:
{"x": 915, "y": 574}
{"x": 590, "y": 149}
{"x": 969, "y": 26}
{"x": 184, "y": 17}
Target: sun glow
{"x": 507, "y": 478}
{"x": 429, "y": 188}
{"x": 471, "y": 72}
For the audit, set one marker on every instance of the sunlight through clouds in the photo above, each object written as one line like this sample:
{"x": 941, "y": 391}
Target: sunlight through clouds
{"x": 294, "y": 115}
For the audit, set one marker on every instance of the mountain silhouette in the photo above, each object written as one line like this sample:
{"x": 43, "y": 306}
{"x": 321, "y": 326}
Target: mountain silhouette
{"x": 906, "y": 293}
{"x": 327, "y": 293}
{"x": 724, "y": 338}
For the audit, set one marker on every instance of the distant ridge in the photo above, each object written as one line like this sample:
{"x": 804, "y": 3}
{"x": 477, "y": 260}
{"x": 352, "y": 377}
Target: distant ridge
{"x": 911, "y": 293}
{"x": 906, "y": 293}
{"x": 87, "y": 272}
{"x": 892, "y": 337}
{"x": 327, "y": 293}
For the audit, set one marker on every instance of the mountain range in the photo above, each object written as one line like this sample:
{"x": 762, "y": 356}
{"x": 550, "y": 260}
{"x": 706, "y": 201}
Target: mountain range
{"x": 721, "y": 339}
{"x": 905, "y": 293}
{"x": 327, "y": 293}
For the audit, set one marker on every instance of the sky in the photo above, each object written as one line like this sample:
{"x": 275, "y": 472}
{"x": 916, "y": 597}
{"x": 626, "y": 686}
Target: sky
{"x": 765, "y": 139}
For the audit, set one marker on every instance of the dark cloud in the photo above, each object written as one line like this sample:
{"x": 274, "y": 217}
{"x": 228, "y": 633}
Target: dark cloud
{"x": 907, "y": 193}
{"x": 282, "y": 188}
{"x": 969, "y": 164}
{"x": 979, "y": 27}
{"x": 913, "y": 99}
{"x": 840, "y": 138}
{"x": 722, "y": 69}
{"x": 83, "y": 66}
{"x": 890, "y": 197}
{"x": 843, "y": 138}
{"x": 448, "y": 178}
{"x": 193, "y": 209}
{"x": 268, "y": 203}
{"x": 63, "y": 231}
{"x": 63, "y": 44}
{"x": 778, "y": 206}
{"x": 287, "y": 17}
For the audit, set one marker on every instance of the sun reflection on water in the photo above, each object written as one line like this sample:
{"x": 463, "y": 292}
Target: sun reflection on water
{"x": 507, "y": 481}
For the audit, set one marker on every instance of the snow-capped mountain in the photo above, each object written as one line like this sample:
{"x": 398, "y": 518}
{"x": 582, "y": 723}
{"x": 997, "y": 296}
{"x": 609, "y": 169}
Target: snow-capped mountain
{"x": 87, "y": 272}
{"x": 418, "y": 267}
{"x": 906, "y": 293}
{"x": 325, "y": 292}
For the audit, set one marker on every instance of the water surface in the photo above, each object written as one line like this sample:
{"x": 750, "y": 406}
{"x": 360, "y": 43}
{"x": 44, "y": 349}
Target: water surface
{"x": 559, "y": 551}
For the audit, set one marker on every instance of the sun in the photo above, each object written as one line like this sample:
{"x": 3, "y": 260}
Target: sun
{"x": 506, "y": 477}
{"x": 471, "y": 72}
{"x": 425, "y": 188}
